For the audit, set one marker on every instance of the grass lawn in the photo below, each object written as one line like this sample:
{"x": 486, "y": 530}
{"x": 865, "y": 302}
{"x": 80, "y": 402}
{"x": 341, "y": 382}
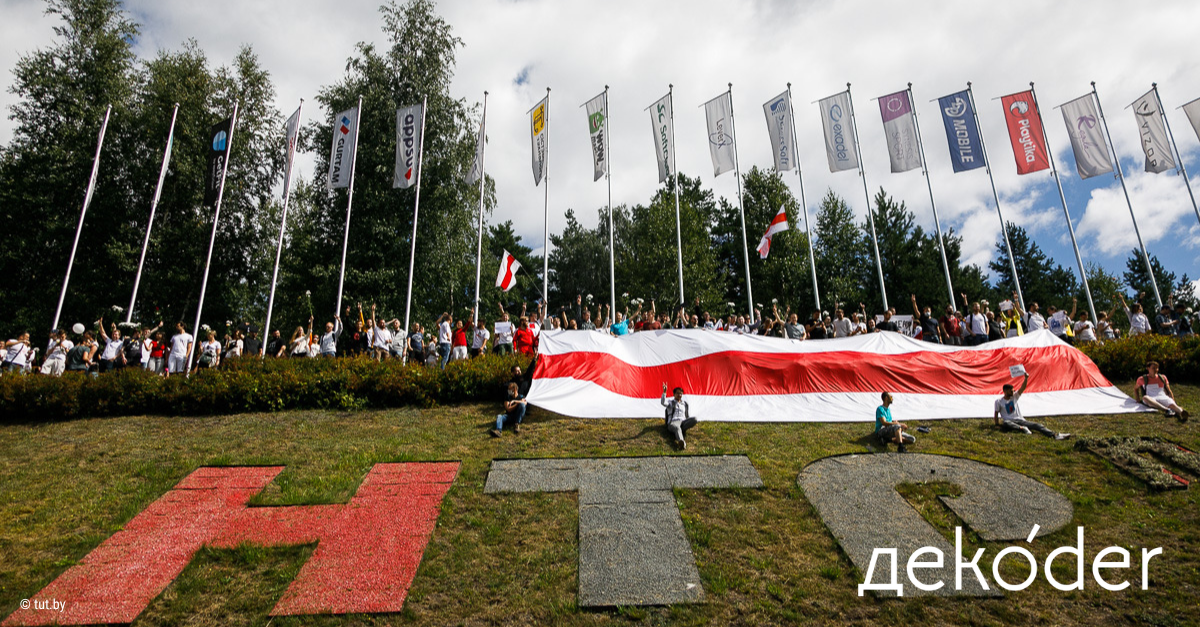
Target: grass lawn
{"x": 764, "y": 555}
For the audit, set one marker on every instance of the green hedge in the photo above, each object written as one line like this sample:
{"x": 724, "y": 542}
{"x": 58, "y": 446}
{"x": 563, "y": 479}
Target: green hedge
{"x": 1125, "y": 359}
{"x": 254, "y": 385}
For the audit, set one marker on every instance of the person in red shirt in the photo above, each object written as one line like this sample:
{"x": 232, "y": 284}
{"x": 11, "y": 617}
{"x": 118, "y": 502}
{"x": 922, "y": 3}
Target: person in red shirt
{"x": 458, "y": 342}
{"x": 523, "y": 340}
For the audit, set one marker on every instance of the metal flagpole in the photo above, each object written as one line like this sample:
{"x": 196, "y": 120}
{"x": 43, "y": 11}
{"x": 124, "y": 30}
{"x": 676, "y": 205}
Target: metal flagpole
{"x": 349, "y": 203}
{"x": 162, "y": 175}
{"x": 675, "y": 174}
{"x": 412, "y": 259}
{"x": 546, "y": 223}
{"x": 287, "y": 194}
{"x": 212, "y": 240}
{"x": 937, "y": 223}
{"x": 987, "y": 164}
{"x": 87, "y": 200}
{"x": 612, "y": 249}
{"x": 1070, "y": 227}
{"x": 867, "y": 193}
{"x": 1121, "y": 176}
{"x": 812, "y": 261}
{"x": 1178, "y": 156}
{"x": 741, "y": 212}
{"x": 479, "y": 244}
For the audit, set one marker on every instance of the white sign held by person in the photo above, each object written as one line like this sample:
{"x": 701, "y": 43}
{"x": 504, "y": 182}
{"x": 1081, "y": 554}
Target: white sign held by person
{"x": 1017, "y": 370}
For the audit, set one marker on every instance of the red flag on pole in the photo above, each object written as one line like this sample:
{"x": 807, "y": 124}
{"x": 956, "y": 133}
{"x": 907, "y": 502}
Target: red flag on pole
{"x": 507, "y": 277}
{"x": 1025, "y": 132}
{"x": 778, "y": 224}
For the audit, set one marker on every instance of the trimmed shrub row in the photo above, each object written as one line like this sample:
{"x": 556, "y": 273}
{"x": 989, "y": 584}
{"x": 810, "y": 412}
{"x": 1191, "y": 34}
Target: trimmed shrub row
{"x": 255, "y": 385}
{"x": 1125, "y": 359}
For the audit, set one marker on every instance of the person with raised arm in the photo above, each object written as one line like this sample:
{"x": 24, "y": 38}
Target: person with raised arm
{"x": 329, "y": 339}
{"x": 1138, "y": 322}
{"x": 931, "y": 327}
{"x": 1007, "y": 414}
{"x": 678, "y": 415}
{"x": 112, "y": 355}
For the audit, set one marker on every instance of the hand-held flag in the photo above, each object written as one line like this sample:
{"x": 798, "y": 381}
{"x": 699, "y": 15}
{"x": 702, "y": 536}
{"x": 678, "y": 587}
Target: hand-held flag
{"x": 1025, "y": 132}
{"x": 778, "y": 224}
{"x": 506, "y": 279}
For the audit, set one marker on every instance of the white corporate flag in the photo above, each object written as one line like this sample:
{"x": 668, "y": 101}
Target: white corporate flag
{"x": 1153, "y": 133}
{"x": 664, "y": 137}
{"x": 1192, "y": 109}
{"x": 538, "y": 118}
{"x": 506, "y": 279}
{"x": 719, "y": 112}
{"x": 900, "y": 127}
{"x": 597, "y": 113}
{"x": 779, "y": 124}
{"x": 476, "y": 172}
{"x": 408, "y": 146}
{"x": 292, "y": 131}
{"x": 345, "y": 141}
{"x": 839, "y": 132}
{"x": 1087, "y": 138}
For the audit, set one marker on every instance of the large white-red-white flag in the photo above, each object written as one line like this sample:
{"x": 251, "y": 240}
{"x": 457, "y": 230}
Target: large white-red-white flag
{"x": 778, "y": 224}
{"x": 732, "y": 377}
{"x": 506, "y": 279}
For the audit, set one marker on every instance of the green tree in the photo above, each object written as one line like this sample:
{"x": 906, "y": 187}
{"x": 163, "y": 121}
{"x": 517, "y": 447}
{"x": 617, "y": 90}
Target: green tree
{"x": 578, "y": 262}
{"x": 1042, "y": 281}
{"x": 842, "y": 259}
{"x": 1138, "y": 281}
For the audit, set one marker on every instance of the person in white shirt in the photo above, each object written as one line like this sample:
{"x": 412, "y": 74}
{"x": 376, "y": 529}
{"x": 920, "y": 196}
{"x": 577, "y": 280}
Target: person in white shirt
{"x": 1085, "y": 331}
{"x": 678, "y": 415}
{"x": 1060, "y": 321}
{"x": 842, "y": 327}
{"x": 479, "y": 341}
{"x": 1154, "y": 391}
{"x": 210, "y": 351}
{"x": 1007, "y": 414}
{"x": 300, "y": 344}
{"x": 56, "y": 354}
{"x": 381, "y": 337}
{"x": 1034, "y": 321}
{"x": 503, "y": 345}
{"x": 17, "y": 354}
{"x": 976, "y": 324}
{"x": 234, "y": 345}
{"x": 181, "y": 348}
{"x": 443, "y": 338}
{"x": 329, "y": 340}
{"x": 399, "y": 340}
{"x": 1138, "y": 322}
{"x": 112, "y": 356}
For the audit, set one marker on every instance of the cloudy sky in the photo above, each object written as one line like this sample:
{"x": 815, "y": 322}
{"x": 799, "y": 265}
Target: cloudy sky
{"x": 515, "y": 50}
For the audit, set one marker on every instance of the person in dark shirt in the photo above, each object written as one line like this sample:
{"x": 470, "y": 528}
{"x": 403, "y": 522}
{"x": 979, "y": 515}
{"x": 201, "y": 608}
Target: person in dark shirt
{"x": 887, "y": 324}
{"x": 816, "y": 328}
{"x": 930, "y": 326}
{"x": 252, "y": 345}
{"x": 276, "y": 344}
{"x": 514, "y": 412}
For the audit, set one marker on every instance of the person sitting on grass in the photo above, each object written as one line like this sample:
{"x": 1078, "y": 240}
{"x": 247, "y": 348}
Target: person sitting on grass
{"x": 1154, "y": 391}
{"x": 888, "y": 430}
{"x": 678, "y": 415}
{"x": 1008, "y": 417}
{"x": 514, "y": 412}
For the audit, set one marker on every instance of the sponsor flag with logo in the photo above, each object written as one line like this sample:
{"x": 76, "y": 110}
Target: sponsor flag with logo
{"x": 408, "y": 146}
{"x": 1192, "y": 109}
{"x": 1025, "y": 132}
{"x": 1153, "y": 132}
{"x": 900, "y": 127}
{"x": 732, "y": 377}
{"x": 839, "y": 132}
{"x": 597, "y": 113}
{"x": 476, "y": 172}
{"x": 719, "y": 112}
{"x": 664, "y": 136}
{"x": 778, "y": 224}
{"x": 292, "y": 130}
{"x": 962, "y": 134}
{"x": 779, "y": 125}
{"x": 345, "y": 143}
{"x": 218, "y": 153}
{"x": 507, "y": 277}
{"x": 538, "y": 118}
{"x": 1087, "y": 138}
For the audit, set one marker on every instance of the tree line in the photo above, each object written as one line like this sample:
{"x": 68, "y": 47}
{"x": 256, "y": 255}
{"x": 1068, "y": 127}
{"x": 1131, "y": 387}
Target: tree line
{"x": 63, "y": 90}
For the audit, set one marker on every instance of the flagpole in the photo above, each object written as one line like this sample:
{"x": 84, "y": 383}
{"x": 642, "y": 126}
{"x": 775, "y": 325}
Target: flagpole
{"x": 741, "y": 212}
{"x": 212, "y": 240}
{"x": 1179, "y": 156}
{"x": 987, "y": 164}
{"x": 546, "y": 222}
{"x": 870, "y": 215}
{"x": 1063, "y": 197}
{"x": 87, "y": 200}
{"x": 287, "y": 194}
{"x": 937, "y": 223}
{"x": 678, "y": 227}
{"x": 349, "y": 203}
{"x": 479, "y": 244}
{"x": 162, "y": 175}
{"x": 1128, "y": 203}
{"x": 812, "y": 260}
{"x": 612, "y": 250}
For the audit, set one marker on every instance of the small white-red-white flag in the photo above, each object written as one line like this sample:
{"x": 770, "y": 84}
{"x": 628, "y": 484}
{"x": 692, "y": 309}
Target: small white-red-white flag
{"x": 507, "y": 278}
{"x": 778, "y": 224}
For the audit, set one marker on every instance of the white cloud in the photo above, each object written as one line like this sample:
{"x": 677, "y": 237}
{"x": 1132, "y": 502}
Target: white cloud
{"x": 638, "y": 48}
